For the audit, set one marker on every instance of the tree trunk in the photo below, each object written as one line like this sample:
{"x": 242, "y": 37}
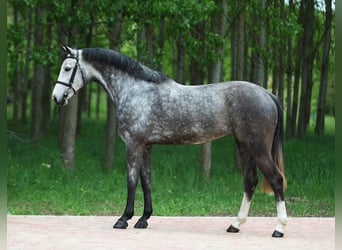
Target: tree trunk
{"x": 319, "y": 129}
{"x": 68, "y": 133}
{"x": 180, "y": 73}
{"x": 218, "y": 26}
{"x": 233, "y": 50}
{"x": 89, "y": 99}
{"x": 281, "y": 54}
{"x": 196, "y": 68}
{"x": 141, "y": 43}
{"x": 146, "y": 44}
{"x": 16, "y": 75}
{"x": 241, "y": 52}
{"x": 82, "y": 93}
{"x": 289, "y": 119}
{"x": 150, "y": 44}
{"x": 307, "y": 68}
{"x": 266, "y": 46}
{"x": 38, "y": 77}
{"x": 46, "y": 88}
{"x": 160, "y": 49}
{"x": 259, "y": 44}
{"x": 275, "y": 47}
{"x": 46, "y": 99}
{"x": 25, "y": 84}
{"x": 98, "y": 100}
{"x": 68, "y": 118}
{"x": 82, "y": 102}
{"x": 238, "y": 40}
{"x": 297, "y": 73}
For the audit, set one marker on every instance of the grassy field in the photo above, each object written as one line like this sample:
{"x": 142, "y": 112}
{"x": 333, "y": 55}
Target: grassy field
{"x": 38, "y": 184}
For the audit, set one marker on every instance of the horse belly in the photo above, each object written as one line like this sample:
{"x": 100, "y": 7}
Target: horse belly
{"x": 181, "y": 140}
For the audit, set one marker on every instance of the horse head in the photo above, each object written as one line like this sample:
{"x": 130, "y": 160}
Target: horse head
{"x": 70, "y": 78}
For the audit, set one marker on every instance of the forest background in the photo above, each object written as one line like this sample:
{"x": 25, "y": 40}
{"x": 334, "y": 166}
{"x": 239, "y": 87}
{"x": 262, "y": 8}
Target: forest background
{"x": 285, "y": 46}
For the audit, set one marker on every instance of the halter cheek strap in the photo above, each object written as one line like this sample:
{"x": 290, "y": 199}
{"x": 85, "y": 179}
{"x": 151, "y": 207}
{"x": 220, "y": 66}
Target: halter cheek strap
{"x": 73, "y": 74}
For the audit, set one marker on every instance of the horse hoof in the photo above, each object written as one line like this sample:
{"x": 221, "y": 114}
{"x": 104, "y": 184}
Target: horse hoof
{"x": 277, "y": 234}
{"x": 232, "y": 229}
{"x": 120, "y": 225}
{"x": 141, "y": 224}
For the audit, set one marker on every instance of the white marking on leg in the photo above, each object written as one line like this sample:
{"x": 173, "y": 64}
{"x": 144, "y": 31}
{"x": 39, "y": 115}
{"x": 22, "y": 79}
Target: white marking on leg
{"x": 243, "y": 213}
{"x": 282, "y": 216}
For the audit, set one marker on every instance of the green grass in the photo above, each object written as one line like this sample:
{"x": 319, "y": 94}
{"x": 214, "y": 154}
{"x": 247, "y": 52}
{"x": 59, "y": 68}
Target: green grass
{"x": 38, "y": 184}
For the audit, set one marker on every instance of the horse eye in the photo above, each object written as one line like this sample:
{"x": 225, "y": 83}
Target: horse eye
{"x": 67, "y": 68}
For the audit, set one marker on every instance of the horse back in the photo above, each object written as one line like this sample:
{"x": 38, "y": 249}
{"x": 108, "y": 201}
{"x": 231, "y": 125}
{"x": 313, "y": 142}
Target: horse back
{"x": 198, "y": 114}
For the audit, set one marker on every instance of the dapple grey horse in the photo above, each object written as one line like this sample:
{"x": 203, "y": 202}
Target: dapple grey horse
{"x": 154, "y": 109}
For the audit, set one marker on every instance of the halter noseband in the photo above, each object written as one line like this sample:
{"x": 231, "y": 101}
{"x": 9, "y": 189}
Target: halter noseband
{"x": 71, "y": 81}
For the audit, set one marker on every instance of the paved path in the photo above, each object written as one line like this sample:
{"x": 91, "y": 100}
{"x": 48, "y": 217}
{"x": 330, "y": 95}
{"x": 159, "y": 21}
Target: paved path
{"x": 96, "y": 232}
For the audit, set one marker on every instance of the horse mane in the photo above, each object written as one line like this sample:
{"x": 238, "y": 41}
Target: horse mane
{"x": 123, "y": 63}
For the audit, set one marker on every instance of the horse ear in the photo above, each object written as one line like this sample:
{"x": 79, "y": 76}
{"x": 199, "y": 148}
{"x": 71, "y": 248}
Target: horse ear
{"x": 69, "y": 50}
{"x": 64, "y": 52}
{"x": 66, "y": 49}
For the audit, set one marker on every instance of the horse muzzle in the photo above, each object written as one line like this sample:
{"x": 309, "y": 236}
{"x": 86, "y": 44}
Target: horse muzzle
{"x": 61, "y": 101}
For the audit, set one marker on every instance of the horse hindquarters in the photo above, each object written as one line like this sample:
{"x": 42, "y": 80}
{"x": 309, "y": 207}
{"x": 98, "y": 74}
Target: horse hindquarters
{"x": 264, "y": 150}
{"x": 276, "y": 179}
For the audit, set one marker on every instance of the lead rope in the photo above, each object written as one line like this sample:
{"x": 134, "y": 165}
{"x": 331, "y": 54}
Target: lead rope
{"x": 21, "y": 139}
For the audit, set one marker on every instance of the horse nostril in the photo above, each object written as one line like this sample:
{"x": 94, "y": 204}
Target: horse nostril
{"x": 55, "y": 99}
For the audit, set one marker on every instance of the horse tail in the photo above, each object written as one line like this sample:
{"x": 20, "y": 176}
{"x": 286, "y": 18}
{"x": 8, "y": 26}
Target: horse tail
{"x": 277, "y": 149}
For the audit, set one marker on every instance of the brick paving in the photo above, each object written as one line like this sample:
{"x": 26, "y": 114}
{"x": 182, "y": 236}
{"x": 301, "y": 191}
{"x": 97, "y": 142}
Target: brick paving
{"x": 96, "y": 233}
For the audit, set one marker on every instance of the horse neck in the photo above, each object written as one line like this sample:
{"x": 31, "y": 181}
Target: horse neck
{"x": 116, "y": 83}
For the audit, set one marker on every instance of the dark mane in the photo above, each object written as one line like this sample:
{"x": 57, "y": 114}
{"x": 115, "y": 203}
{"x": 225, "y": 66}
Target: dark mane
{"x": 123, "y": 63}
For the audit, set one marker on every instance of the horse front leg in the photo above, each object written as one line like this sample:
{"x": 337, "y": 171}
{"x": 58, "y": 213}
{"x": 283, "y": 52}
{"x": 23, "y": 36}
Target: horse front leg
{"x": 145, "y": 177}
{"x": 134, "y": 163}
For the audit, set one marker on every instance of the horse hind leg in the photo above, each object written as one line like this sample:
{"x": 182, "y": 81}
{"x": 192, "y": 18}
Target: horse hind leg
{"x": 275, "y": 179}
{"x": 250, "y": 183}
{"x": 282, "y": 220}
